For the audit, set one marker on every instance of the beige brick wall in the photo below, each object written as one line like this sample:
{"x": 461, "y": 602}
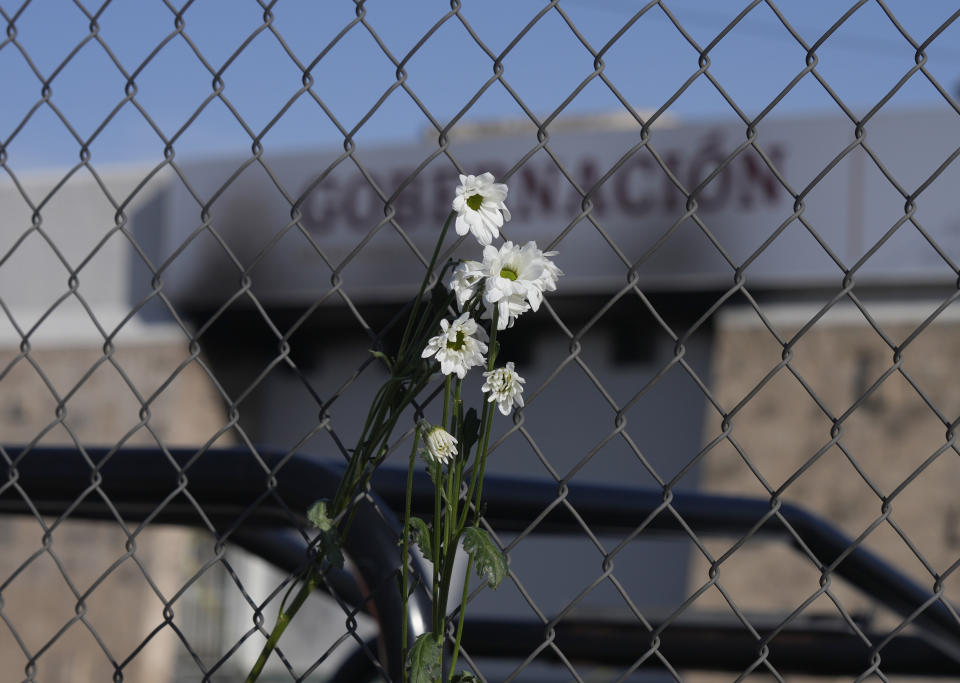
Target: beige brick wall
{"x": 888, "y": 437}
{"x": 39, "y": 598}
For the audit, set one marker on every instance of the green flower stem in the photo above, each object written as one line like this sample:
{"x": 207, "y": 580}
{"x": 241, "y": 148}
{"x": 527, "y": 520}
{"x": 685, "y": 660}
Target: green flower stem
{"x": 383, "y": 435}
{"x": 446, "y": 403}
{"x": 450, "y": 534}
{"x": 376, "y": 416}
{"x": 458, "y": 408}
{"x": 450, "y": 513}
{"x": 457, "y": 487}
{"x": 447, "y": 560}
{"x": 476, "y": 483}
{"x": 423, "y": 285}
{"x": 405, "y": 556}
{"x": 453, "y": 493}
{"x": 479, "y": 498}
{"x": 463, "y": 612}
{"x": 494, "y": 350}
{"x": 437, "y": 616}
{"x": 451, "y": 508}
{"x": 476, "y": 487}
{"x": 482, "y": 454}
{"x": 366, "y": 457}
{"x": 366, "y": 445}
{"x": 372, "y": 452}
{"x": 481, "y": 465}
{"x": 440, "y": 520}
{"x": 485, "y": 419}
{"x": 372, "y": 446}
{"x": 486, "y": 422}
{"x": 429, "y": 324}
{"x": 283, "y": 620}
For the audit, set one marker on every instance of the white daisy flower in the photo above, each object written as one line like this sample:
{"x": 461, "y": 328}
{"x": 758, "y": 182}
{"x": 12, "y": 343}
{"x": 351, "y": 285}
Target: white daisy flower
{"x": 548, "y": 279}
{"x": 516, "y": 278}
{"x": 480, "y": 208}
{"x": 466, "y": 276}
{"x": 459, "y": 346}
{"x": 505, "y": 387}
{"x": 509, "y": 308}
{"x": 440, "y": 444}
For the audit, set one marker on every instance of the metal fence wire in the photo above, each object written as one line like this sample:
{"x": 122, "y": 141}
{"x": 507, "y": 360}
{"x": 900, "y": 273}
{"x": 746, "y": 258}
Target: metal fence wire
{"x": 677, "y": 359}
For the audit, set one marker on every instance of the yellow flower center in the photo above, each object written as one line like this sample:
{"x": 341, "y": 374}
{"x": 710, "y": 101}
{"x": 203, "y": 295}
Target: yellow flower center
{"x": 508, "y": 273}
{"x": 474, "y": 201}
{"x": 458, "y": 343}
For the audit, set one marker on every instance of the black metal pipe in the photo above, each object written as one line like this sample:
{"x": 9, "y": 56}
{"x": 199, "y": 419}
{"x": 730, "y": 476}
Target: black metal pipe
{"x": 234, "y": 491}
{"x": 287, "y": 550}
{"x": 514, "y": 504}
{"x": 824, "y": 649}
{"x": 812, "y": 647}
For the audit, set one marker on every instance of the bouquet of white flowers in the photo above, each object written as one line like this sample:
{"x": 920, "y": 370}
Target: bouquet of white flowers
{"x": 486, "y": 297}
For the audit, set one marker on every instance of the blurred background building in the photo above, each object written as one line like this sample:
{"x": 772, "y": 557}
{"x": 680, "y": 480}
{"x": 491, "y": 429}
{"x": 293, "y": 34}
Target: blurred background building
{"x": 781, "y": 427}
{"x": 276, "y": 236}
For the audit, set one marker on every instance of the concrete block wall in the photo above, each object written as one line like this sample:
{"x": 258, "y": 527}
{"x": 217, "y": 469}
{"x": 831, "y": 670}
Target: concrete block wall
{"x": 889, "y": 437}
{"x": 124, "y": 608}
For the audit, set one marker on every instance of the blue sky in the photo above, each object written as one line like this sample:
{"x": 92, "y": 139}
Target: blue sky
{"x": 861, "y": 61}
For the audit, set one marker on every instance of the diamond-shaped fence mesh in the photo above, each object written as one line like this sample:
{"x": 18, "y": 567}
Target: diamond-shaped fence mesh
{"x": 737, "y": 457}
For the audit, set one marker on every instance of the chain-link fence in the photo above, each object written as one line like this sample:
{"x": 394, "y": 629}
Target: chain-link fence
{"x": 737, "y": 455}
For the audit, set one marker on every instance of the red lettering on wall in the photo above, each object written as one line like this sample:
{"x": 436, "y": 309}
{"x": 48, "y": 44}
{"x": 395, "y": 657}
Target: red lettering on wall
{"x": 587, "y": 175}
{"x": 673, "y": 197}
{"x": 538, "y": 186}
{"x": 442, "y": 194}
{"x": 705, "y": 162}
{"x": 629, "y": 189}
{"x": 320, "y": 210}
{"x": 409, "y": 203}
{"x": 757, "y": 176}
{"x": 360, "y": 205}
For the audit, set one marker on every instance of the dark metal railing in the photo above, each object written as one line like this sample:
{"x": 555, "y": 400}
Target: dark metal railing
{"x": 260, "y": 504}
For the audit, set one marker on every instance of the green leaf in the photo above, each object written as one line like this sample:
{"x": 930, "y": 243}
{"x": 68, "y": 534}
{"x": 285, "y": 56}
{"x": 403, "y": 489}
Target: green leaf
{"x": 328, "y": 541}
{"x": 330, "y": 548}
{"x": 413, "y": 583}
{"x": 420, "y": 534}
{"x": 382, "y": 356}
{"x": 318, "y": 517}
{"x": 489, "y": 560}
{"x": 464, "y": 677}
{"x": 435, "y": 472}
{"x": 471, "y": 432}
{"x": 423, "y": 659}
{"x": 440, "y": 297}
